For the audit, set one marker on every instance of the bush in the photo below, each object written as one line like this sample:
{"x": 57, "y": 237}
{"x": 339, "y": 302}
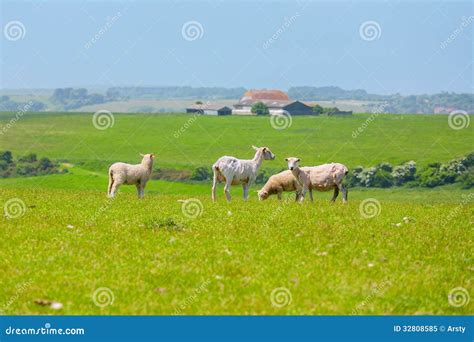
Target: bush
{"x": 382, "y": 179}
{"x": 467, "y": 178}
{"x": 260, "y": 108}
{"x": 201, "y": 174}
{"x": 404, "y": 173}
{"x": 7, "y": 156}
{"x": 430, "y": 177}
{"x": 262, "y": 177}
{"x": 29, "y": 158}
{"x": 385, "y": 167}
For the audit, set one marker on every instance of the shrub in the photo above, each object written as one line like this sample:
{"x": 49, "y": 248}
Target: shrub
{"x": 382, "y": 179}
{"x": 467, "y": 178}
{"x": 404, "y": 173}
{"x": 260, "y": 108}
{"x": 201, "y": 174}
{"x": 6, "y": 156}
{"x": 385, "y": 167}
{"x": 29, "y": 158}
{"x": 429, "y": 177}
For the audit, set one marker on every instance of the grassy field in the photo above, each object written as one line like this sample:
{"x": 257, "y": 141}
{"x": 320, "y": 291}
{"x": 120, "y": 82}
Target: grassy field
{"x": 62, "y": 240}
{"x": 184, "y": 141}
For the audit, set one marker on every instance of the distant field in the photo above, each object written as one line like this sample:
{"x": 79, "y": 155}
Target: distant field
{"x": 184, "y": 142}
{"x": 388, "y": 251}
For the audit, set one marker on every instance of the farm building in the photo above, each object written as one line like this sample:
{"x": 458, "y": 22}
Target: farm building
{"x": 276, "y": 100}
{"x": 209, "y": 110}
{"x": 340, "y": 112}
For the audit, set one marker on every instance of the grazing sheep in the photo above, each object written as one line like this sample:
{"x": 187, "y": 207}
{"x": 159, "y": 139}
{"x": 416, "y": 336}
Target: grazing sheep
{"x": 300, "y": 176}
{"x": 122, "y": 173}
{"x": 235, "y": 171}
{"x": 277, "y": 184}
{"x": 326, "y": 177}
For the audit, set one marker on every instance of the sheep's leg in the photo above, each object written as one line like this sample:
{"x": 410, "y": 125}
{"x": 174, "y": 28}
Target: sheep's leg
{"x": 279, "y": 195}
{"x": 228, "y": 182}
{"x": 311, "y": 194}
{"x": 214, "y": 186}
{"x": 111, "y": 183}
{"x": 246, "y": 188}
{"x": 140, "y": 190}
{"x": 336, "y": 193}
{"x": 344, "y": 193}
{"x": 114, "y": 189}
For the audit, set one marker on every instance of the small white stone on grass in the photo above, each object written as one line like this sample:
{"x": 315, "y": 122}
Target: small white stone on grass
{"x": 56, "y": 305}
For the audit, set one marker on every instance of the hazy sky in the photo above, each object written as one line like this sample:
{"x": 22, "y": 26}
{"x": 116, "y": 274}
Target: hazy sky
{"x": 381, "y": 46}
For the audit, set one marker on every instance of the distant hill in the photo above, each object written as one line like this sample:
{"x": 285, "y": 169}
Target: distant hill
{"x": 307, "y": 93}
{"x": 175, "y": 92}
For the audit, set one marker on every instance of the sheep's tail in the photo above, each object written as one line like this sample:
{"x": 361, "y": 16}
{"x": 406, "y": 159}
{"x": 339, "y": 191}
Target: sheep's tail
{"x": 111, "y": 182}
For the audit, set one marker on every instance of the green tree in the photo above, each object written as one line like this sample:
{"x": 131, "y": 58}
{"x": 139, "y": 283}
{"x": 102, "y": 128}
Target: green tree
{"x": 317, "y": 109}
{"x": 260, "y": 108}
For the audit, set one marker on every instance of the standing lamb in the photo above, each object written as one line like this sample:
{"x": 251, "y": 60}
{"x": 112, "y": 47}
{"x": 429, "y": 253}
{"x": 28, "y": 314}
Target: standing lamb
{"x": 279, "y": 183}
{"x": 235, "y": 171}
{"x": 301, "y": 177}
{"x": 139, "y": 174}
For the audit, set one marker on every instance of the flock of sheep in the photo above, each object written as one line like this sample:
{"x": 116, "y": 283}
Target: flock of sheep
{"x": 233, "y": 171}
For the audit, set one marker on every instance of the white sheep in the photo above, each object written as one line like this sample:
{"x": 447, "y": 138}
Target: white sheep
{"x": 279, "y": 183}
{"x": 326, "y": 177}
{"x": 321, "y": 178}
{"x": 138, "y": 175}
{"x": 300, "y": 176}
{"x": 235, "y": 171}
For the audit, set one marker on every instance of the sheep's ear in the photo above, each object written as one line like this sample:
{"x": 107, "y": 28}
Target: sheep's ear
{"x": 286, "y": 159}
{"x": 141, "y": 154}
{"x": 254, "y": 147}
{"x": 298, "y": 159}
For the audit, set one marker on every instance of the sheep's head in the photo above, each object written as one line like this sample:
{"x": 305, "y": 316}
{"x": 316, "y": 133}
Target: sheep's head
{"x": 263, "y": 194}
{"x": 293, "y": 163}
{"x": 265, "y": 151}
{"x": 147, "y": 158}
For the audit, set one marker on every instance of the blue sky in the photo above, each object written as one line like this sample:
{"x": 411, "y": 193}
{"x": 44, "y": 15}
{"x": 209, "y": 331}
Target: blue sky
{"x": 405, "y": 46}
